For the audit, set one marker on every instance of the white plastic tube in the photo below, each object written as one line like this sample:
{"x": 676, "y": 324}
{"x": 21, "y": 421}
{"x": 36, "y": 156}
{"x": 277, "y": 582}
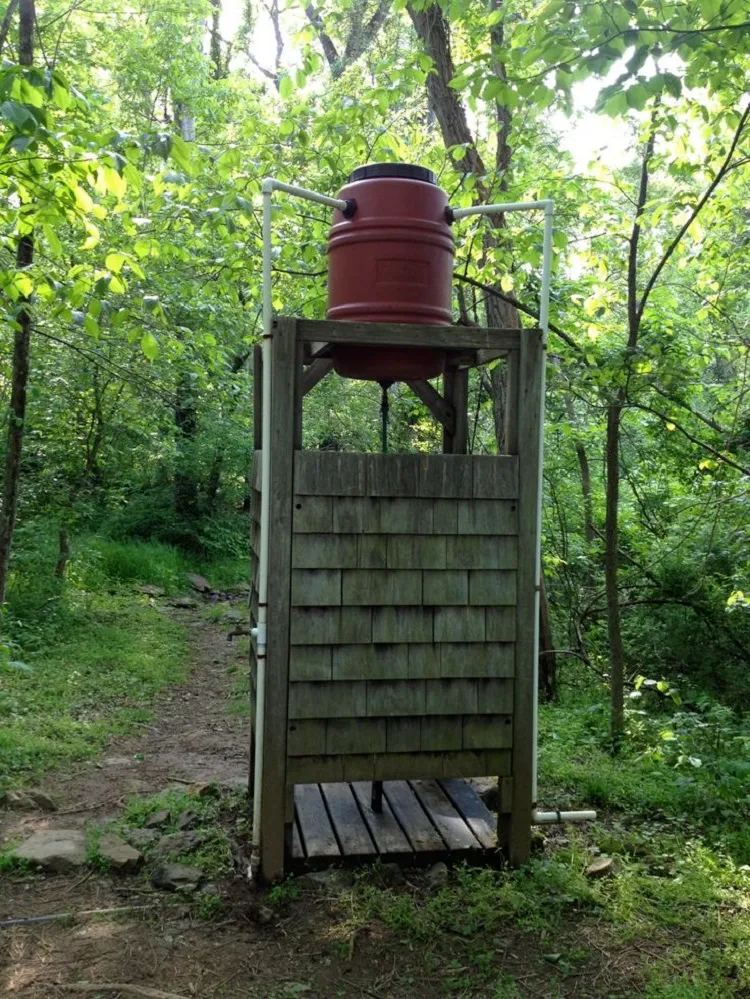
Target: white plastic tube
{"x": 511, "y": 206}
{"x": 259, "y": 633}
{"x": 548, "y": 818}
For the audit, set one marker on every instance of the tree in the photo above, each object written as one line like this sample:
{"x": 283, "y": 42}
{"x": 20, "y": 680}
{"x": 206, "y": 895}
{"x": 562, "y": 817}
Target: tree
{"x": 21, "y": 341}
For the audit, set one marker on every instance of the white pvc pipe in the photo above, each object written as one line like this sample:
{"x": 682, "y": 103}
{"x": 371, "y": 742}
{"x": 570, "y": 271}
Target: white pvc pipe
{"x": 259, "y": 633}
{"x": 548, "y": 818}
{"x": 510, "y": 206}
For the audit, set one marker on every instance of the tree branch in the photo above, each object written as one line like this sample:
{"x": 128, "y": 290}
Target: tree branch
{"x": 696, "y": 211}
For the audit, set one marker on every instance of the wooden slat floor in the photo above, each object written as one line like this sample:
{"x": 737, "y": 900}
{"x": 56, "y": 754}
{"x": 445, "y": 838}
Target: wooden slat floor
{"x": 421, "y": 820}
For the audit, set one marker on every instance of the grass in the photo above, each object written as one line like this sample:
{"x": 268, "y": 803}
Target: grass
{"x": 92, "y": 682}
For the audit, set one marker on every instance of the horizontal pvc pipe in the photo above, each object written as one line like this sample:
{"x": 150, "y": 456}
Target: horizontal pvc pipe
{"x": 548, "y": 818}
{"x": 511, "y": 206}
{"x": 269, "y": 184}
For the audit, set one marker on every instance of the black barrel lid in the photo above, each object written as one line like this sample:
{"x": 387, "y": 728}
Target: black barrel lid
{"x": 407, "y": 171}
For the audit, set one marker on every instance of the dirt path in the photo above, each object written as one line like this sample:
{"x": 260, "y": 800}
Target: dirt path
{"x": 194, "y": 738}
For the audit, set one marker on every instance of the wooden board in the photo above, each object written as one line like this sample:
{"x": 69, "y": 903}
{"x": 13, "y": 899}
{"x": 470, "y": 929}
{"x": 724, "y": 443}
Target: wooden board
{"x": 384, "y": 829}
{"x": 317, "y": 832}
{"x": 476, "y": 814}
{"x": 346, "y": 817}
{"x": 297, "y": 849}
{"x": 444, "y": 816}
{"x": 412, "y": 818}
{"x": 459, "y": 338}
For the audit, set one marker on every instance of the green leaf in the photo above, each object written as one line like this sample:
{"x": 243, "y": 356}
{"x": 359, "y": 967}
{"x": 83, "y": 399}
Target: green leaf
{"x": 17, "y": 114}
{"x": 52, "y": 241}
{"x": 150, "y": 346}
{"x": 91, "y": 326}
{"x": 286, "y": 87}
{"x": 114, "y": 262}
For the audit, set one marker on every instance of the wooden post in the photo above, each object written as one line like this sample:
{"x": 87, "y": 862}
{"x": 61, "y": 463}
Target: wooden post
{"x": 257, "y": 397}
{"x": 455, "y": 393}
{"x": 298, "y": 396}
{"x": 281, "y": 432}
{"x": 531, "y": 358}
{"x": 511, "y": 403}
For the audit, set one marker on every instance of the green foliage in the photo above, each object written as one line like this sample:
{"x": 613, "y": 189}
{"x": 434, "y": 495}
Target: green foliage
{"x": 91, "y": 670}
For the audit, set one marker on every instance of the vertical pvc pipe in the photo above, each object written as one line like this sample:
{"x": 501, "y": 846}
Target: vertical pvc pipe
{"x": 265, "y": 510}
{"x": 544, "y": 324}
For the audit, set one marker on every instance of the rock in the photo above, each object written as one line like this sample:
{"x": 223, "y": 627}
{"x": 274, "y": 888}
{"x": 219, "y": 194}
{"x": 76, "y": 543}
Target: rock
{"x": 332, "y": 877}
{"x": 177, "y": 877}
{"x": 159, "y": 818}
{"x": 142, "y": 837}
{"x": 178, "y": 843}
{"x": 538, "y": 841}
{"x": 119, "y": 855}
{"x": 32, "y": 800}
{"x": 186, "y": 603}
{"x": 600, "y": 868}
{"x": 58, "y": 850}
{"x": 239, "y": 589}
{"x": 117, "y": 761}
{"x": 234, "y": 617}
{"x": 389, "y": 875}
{"x": 199, "y": 583}
{"x": 42, "y": 801}
{"x": 189, "y": 819}
{"x": 260, "y": 914}
{"x": 209, "y": 789}
{"x": 488, "y": 790}
{"x": 437, "y": 876}
{"x": 152, "y": 591}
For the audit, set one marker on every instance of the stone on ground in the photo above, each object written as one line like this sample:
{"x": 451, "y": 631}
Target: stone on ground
{"x": 179, "y": 842}
{"x": 177, "y": 877}
{"x": 600, "y": 868}
{"x": 389, "y": 875}
{"x": 199, "y": 583}
{"x": 437, "y": 875}
{"x": 58, "y": 850}
{"x": 234, "y": 616}
{"x": 260, "y": 914}
{"x": 188, "y": 820}
{"x": 159, "y": 818}
{"x": 333, "y": 877}
{"x": 185, "y": 603}
{"x": 29, "y": 801}
{"x": 119, "y": 855}
{"x": 142, "y": 837}
{"x": 152, "y": 591}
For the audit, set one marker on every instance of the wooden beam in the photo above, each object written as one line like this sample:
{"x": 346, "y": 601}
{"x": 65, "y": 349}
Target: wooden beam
{"x": 518, "y": 825}
{"x": 456, "y": 391}
{"x": 460, "y": 338}
{"x": 281, "y": 431}
{"x": 315, "y": 372}
{"x": 441, "y": 409}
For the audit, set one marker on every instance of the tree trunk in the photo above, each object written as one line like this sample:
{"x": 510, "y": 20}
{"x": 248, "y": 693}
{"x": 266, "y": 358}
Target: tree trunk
{"x": 547, "y": 657}
{"x": 585, "y": 470}
{"x": 64, "y": 555}
{"x": 21, "y": 350}
{"x": 614, "y": 631}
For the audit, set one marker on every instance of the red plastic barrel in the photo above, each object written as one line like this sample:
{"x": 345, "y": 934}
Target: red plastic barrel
{"x": 390, "y": 262}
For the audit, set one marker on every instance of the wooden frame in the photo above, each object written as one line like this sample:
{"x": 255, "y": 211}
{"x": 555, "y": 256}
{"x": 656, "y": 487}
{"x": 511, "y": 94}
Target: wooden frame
{"x": 300, "y": 350}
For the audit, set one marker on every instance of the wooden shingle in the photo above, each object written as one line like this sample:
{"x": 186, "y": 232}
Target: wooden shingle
{"x": 492, "y": 586}
{"x": 480, "y": 552}
{"x": 376, "y": 587}
{"x": 450, "y": 697}
{"x": 501, "y": 624}
{"x": 424, "y": 661}
{"x": 312, "y": 514}
{"x": 488, "y": 732}
{"x": 330, "y": 473}
{"x": 446, "y": 475}
{"x": 356, "y": 735}
{"x": 495, "y": 477}
{"x": 375, "y": 662}
{"x": 331, "y": 625}
{"x": 487, "y": 516}
{"x": 389, "y": 698}
{"x": 316, "y": 587}
{"x": 459, "y": 624}
{"x": 392, "y": 474}
{"x": 445, "y": 587}
{"x": 401, "y": 624}
{"x": 310, "y": 662}
{"x": 340, "y": 699}
{"x": 324, "y": 551}
{"x": 476, "y": 659}
{"x": 406, "y": 551}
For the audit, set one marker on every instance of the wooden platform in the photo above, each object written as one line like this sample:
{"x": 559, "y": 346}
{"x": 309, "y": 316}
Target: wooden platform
{"x": 421, "y": 821}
